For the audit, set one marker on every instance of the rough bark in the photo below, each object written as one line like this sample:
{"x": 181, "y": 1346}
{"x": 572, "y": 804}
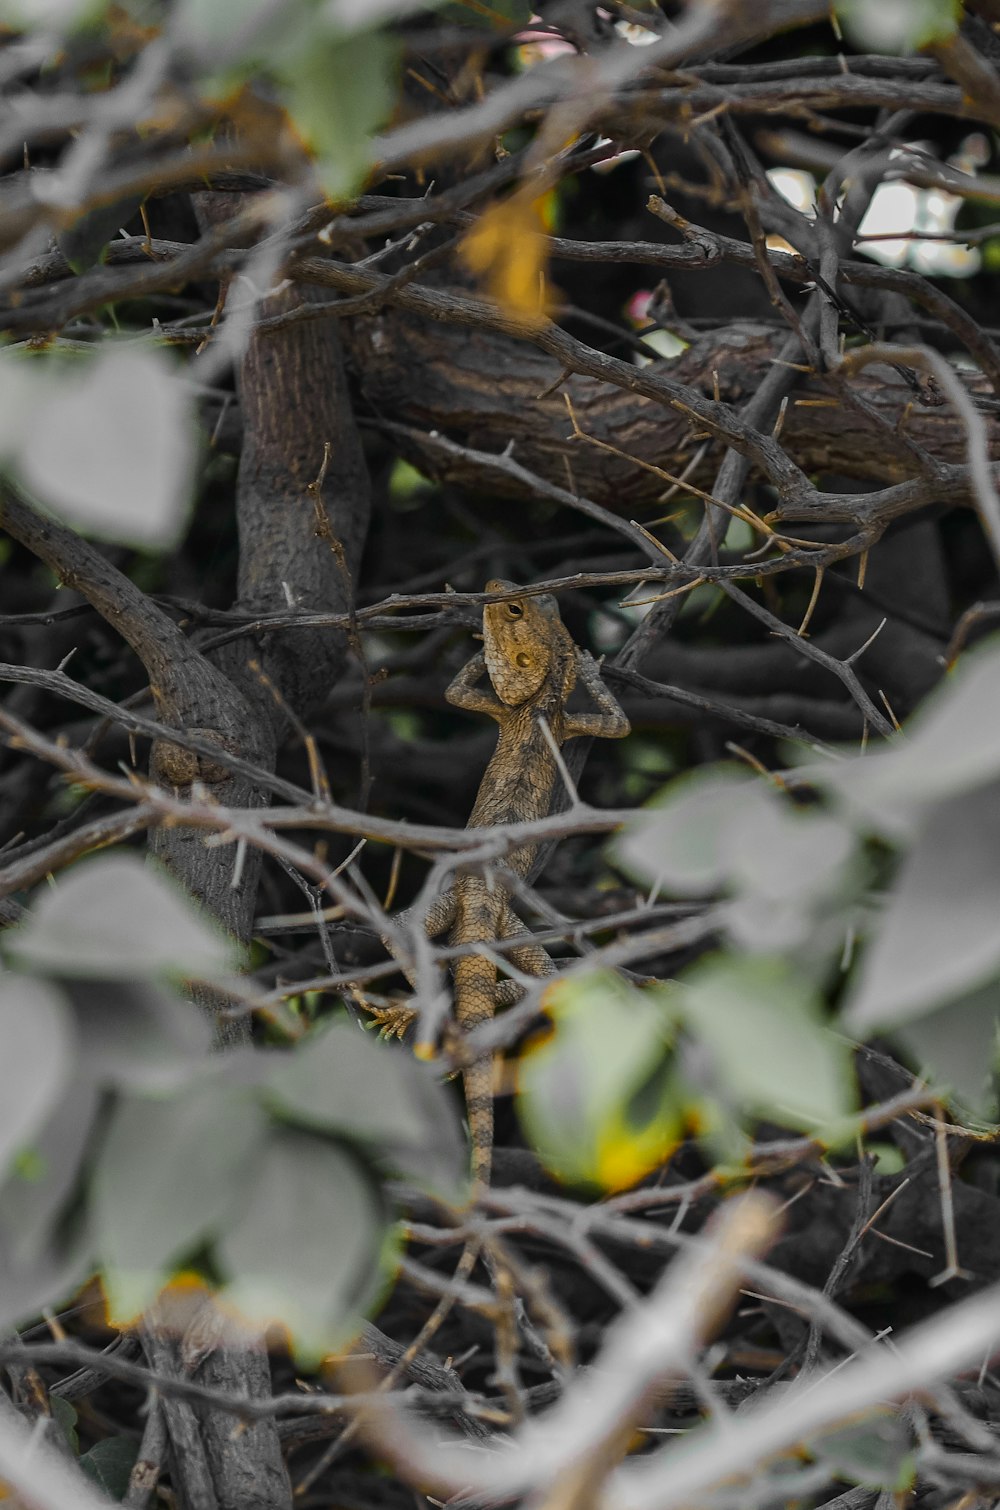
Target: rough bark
{"x": 489, "y": 391}
{"x": 301, "y": 546}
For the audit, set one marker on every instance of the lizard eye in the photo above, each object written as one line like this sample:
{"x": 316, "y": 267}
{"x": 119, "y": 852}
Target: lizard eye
{"x": 514, "y": 610}
{"x": 522, "y": 660}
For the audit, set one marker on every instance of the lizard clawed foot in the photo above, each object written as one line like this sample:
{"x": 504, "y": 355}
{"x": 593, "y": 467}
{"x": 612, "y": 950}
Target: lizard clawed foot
{"x": 392, "y": 1022}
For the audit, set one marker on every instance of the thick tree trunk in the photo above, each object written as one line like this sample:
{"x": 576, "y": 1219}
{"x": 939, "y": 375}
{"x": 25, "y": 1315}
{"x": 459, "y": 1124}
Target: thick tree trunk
{"x": 488, "y": 391}
{"x": 302, "y": 503}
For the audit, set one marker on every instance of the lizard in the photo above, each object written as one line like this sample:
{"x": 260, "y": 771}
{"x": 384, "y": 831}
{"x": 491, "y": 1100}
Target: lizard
{"x": 532, "y": 666}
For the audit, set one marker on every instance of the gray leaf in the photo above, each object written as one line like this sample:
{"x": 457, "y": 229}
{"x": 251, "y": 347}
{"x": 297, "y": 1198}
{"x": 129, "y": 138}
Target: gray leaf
{"x": 116, "y": 918}
{"x": 344, "y": 1081}
{"x": 168, "y": 1175}
{"x": 306, "y": 1249}
{"x": 109, "y": 446}
{"x": 37, "y": 1038}
{"x": 939, "y": 935}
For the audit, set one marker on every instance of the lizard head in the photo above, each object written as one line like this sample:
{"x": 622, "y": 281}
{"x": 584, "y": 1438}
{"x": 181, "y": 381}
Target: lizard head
{"x": 526, "y": 644}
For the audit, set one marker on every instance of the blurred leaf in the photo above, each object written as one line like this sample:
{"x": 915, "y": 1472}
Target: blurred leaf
{"x": 508, "y": 250}
{"x": 721, "y": 830}
{"x": 109, "y": 1464}
{"x": 169, "y": 1176}
{"x": 38, "y": 1041}
{"x": 341, "y": 1080}
{"x": 491, "y": 15}
{"x": 53, "y": 1273}
{"x": 308, "y": 1250}
{"x": 598, "y": 1096}
{"x": 897, "y": 26}
{"x": 32, "y": 1197}
{"x": 682, "y": 842}
{"x": 888, "y": 1158}
{"x": 108, "y": 446}
{"x": 958, "y": 1045}
{"x": 21, "y": 388}
{"x": 938, "y": 936}
{"x": 57, "y": 14}
{"x": 137, "y": 1034}
{"x": 347, "y": 15}
{"x": 876, "y": 1452}
{"x": 65, "y": 1417}
{"x": 991, "y": 255}
{"x": 406, "y": 485}
{"x": 339, "y": 91}
{"x": 779, "y": 853}
{"x": 115, "y": 917}
{"x": 203, "y": 26}
{"x": 43, "y": 1255}
{"x": 83, "y": 242}
{"x": 762, "y": 1025}
{"x": 951, "y": 744}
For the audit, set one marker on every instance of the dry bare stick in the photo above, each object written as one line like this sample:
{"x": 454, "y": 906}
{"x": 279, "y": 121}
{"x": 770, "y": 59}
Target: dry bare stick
{"x": 812, "y": 652}
{"x": 927, "y": 1354}
{"x": 708, "y": 24}
{"x": 472, "y": 846}
{"x": 644, "y": 1347}
{"x": 47, "y": 858}
{"x": 975, "y": 428}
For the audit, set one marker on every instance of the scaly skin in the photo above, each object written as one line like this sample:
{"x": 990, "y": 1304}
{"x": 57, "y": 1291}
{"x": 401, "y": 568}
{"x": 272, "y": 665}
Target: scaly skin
{"x": 533, "y": 667}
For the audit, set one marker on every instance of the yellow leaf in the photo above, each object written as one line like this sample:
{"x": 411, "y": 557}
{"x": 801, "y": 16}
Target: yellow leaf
{"x": 506, "y": 248}
{"x": 624, "y": 1155}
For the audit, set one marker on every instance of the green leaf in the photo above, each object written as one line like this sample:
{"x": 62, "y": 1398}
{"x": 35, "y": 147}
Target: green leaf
{"x": 762, "y": 1027}
{"x": 875, "y": 1452}
{"x": 888, "y": 1158}
{"x": 898, "y": 26}
{"x": 65, "y": 1416}
{"x": 598, "y": 1096}
{"x": 115, "y": 917}
{"x": 341, "y": 1080}
{"x": 938, "y": 936}
{"x": 62, "y": 15}
{"x": 338, "y": 93}
{"x": 108, "y": 445}
{"x": 308, "y": 1251}
{"x": 170, "y": 1175}
{"x": 206, "y": 27}
{"x": 109, "y": 1464}
{"x": 37, "y": 1043}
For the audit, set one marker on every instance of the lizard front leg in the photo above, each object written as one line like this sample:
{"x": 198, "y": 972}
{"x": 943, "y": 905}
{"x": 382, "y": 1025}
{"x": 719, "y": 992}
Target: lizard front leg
{"x": 464, "y": 693}
{"x": 610, "y": 722}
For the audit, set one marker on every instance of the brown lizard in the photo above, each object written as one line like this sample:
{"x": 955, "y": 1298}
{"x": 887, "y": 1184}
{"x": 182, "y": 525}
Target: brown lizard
{"x": 533, "y": 666}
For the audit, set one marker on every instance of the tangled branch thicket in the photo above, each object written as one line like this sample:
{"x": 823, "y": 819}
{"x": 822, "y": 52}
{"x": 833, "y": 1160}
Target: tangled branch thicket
{"x": 779, "y": 537}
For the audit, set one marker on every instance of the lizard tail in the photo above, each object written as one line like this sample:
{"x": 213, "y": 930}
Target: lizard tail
{"x": 474, "y": 988}
{"x": 478, "y": 1085}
